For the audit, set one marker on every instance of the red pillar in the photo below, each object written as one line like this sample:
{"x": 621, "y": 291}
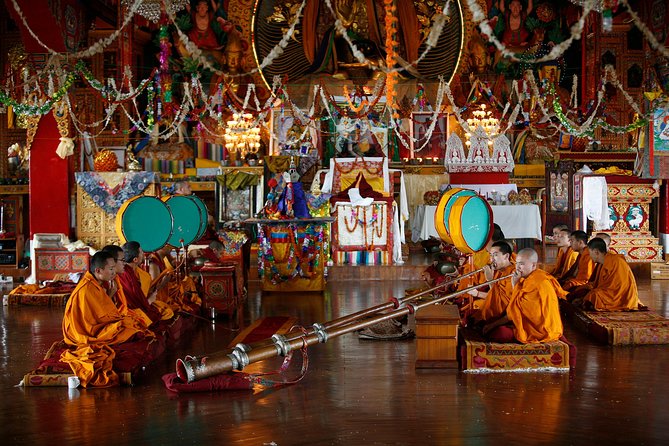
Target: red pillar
{"x": 50, "y": 178}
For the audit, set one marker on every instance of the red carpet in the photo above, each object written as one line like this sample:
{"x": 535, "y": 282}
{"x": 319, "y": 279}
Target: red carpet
{"x": 264, "y": 328}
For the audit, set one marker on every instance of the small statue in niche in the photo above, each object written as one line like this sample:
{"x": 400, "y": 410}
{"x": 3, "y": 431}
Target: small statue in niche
{"x": 131, "y": 163}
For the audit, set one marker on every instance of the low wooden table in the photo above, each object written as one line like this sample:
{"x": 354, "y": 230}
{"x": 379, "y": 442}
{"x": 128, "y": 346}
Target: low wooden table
{"x": 437, "y": 337}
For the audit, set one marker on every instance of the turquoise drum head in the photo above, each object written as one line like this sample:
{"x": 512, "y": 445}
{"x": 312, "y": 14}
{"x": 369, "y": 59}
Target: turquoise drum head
{"x": 204, "y": 214}
{"x": 471, "y": 224}
{"x": 146, "y": 220}
{"x": 187, "y": 220}
{"x": 451, "y": 200}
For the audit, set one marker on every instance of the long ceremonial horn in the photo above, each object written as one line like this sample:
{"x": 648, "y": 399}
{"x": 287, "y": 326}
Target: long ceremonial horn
{"x": 243, "y": 355}
{"x": 392, "y": 304}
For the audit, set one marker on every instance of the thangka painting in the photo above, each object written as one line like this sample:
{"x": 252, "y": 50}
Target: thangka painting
{"x": 661, "y": 130}
{"x": 559, "y": 192}
{"x": 292, "y": 134}
{"x": 360, "y": 137}
{"x": 426, "y": 144}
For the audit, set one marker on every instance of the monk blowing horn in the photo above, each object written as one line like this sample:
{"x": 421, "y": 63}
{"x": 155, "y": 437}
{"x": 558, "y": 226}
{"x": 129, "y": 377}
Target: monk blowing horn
{"x": 242, "y": 355}
{"x": 392, "y": 304}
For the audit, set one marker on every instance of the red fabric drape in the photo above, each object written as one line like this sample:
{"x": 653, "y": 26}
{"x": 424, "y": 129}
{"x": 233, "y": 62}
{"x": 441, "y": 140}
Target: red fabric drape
{"x": 134, "y": 294}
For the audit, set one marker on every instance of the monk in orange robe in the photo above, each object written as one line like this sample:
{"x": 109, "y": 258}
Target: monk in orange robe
{"x": 615, "y": 288}
{"x": 533, "y": 314}
{"x": 116, "y": 288}
{"x": 580, "y": 272}
{"x": 92, "y": 324}
{"x": 137, "y": 291}
{"x": 566, "y": 256}
{"x": 580, "y": 291}
{"x": 477, "y": 261}
{"x": 180, "y": 292}
{"x": 497, "y": 299}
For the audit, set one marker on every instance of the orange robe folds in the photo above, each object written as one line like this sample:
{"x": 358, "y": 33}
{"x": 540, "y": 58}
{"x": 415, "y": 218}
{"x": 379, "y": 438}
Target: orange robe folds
{"x": 534, "y": 308}
{"x": 146, "y": 283}
{"x": 563, "y": 262}
{"x": 615, "y": 288}
{"x": 499, "y": 295}
{"x": 479, "y": 260}
{"x": 91, "y": 325}
{"x": 584, "y": 268}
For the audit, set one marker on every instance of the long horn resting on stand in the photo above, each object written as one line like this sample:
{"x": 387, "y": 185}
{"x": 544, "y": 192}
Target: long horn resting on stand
{"x": 392, "y": 304}
{"x": 243, "y": 355}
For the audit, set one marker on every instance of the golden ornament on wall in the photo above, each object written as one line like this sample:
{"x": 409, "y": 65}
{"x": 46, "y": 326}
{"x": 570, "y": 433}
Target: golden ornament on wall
{"x": 105, "y": 161}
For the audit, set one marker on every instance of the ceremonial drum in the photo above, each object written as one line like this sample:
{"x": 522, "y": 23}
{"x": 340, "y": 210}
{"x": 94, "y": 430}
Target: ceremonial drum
{"x": 146, "y": 220}
{"x": 189, "y": 215}
{"x": 444, "y": 209}
{"x": 464, "y": 219}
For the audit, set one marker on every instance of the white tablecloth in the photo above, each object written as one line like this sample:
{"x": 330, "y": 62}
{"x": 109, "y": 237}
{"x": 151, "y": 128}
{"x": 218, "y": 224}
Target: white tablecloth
{"x": 516, "y": 221}
{"x": 484, "y": 189}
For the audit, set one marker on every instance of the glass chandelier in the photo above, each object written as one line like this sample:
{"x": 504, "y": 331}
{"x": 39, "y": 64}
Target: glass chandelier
{"x": 483, "y": 118}
{"x": 151, "y": 9}
{"x": 241, "y": 135}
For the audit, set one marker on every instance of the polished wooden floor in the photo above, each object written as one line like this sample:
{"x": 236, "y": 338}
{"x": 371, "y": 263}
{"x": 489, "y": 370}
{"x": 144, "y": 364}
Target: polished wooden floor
{"x": 355, "y": 392}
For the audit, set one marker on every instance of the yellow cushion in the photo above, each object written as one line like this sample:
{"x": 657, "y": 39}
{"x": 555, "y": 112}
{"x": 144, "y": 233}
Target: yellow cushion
{"x": 346, "y": 180}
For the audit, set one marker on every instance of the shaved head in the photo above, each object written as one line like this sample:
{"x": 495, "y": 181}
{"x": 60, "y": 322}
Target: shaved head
{"x": 529, "y": 254}
{"x": 604, "y": 236}
{"x": 526, "y": 261}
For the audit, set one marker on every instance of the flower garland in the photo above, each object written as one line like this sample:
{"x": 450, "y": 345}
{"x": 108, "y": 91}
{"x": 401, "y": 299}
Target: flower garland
{"x": 358, "y": 217}
{"x": 557, "y": 51}
{"x": 38, "y": 106}
{"x": 94, "y": 49}
{"x": 433, "y": 121}
{"x": 391, "y": 52}
{"x": 196, "y": 53}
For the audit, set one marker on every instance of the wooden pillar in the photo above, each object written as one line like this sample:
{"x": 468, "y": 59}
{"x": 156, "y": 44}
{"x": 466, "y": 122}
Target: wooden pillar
{"x": 50, "y": 178}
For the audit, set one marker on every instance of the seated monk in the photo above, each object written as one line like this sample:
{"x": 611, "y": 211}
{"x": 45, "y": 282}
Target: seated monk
{"x": 556, "y": 232}
{"x": 533, "y": 313}
{"x": 136, "y": 285}
{"x": 180, "y": 292}
{"x": 580, "y": 291}
{"x": 116, "y": 289}
{"x": 497, "y": 299}
{"x": 615, "y": 288}
{"x": 477, "y": 261}
{"x": 566, "y": 256}
{"x": 580, "y": 272}
{"x": 92, "y": 324}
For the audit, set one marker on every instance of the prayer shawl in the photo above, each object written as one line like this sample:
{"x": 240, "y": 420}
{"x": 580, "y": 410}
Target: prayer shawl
{"x": 580, "y": 273}
{"x": 499, "y": 295}
{"x": 615, "y": 288}
{"x": 122, "y": 305}
{"x": 91, "y": 325}
{"x": 134, "y": 294}
{"x": 534, "y": 308}
{"x": 564, "y": 261}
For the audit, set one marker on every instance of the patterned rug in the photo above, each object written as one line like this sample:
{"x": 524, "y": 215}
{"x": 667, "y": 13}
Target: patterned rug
{"x": 476, "y": 355}
{"x": 621, "y": 327}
